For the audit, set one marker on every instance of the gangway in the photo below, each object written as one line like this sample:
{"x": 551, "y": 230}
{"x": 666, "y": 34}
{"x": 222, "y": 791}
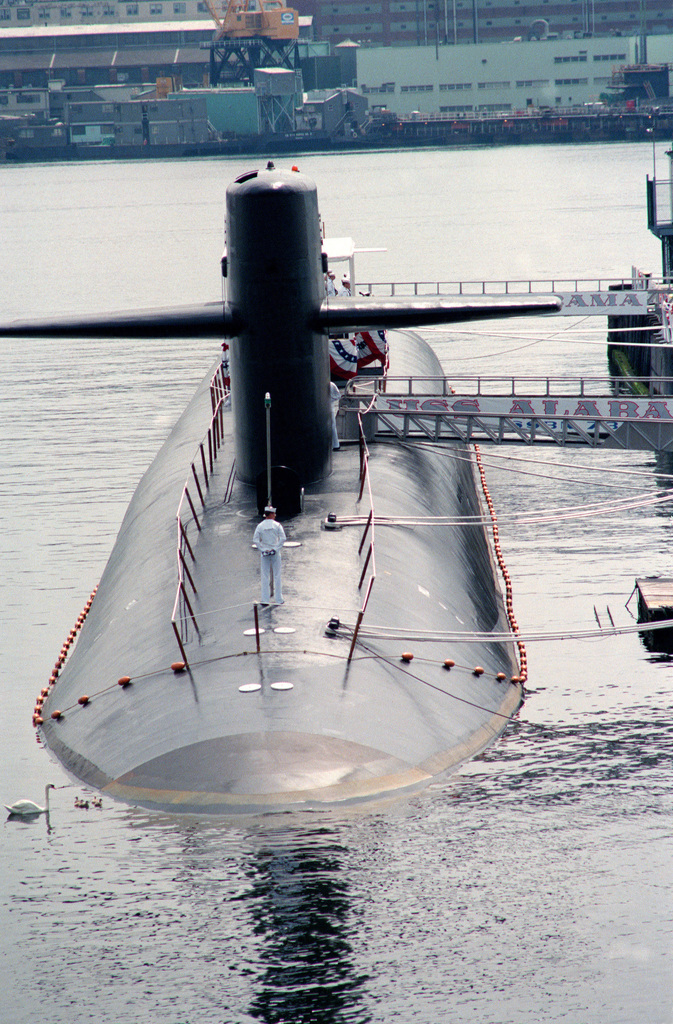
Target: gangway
{"x": 589, "y": 297}
{"x": 608, "y": 412}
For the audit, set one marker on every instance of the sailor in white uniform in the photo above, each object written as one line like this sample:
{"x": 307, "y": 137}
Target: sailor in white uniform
{"x": 334, "y": 395}
{"x": 269, "y": 538}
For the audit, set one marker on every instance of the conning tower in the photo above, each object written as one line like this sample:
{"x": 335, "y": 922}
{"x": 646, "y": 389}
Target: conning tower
{"x": 275, "y": 289}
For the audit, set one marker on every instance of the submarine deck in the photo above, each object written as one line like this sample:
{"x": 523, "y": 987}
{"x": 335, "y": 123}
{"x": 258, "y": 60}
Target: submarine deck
{"x": 296, "y": 724}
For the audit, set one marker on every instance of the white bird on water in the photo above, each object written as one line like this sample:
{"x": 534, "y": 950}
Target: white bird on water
{"x": 26, "y": 808}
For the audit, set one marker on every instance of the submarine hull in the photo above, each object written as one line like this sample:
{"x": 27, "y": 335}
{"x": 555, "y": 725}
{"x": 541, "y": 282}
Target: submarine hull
{"x": 297, "y": 723}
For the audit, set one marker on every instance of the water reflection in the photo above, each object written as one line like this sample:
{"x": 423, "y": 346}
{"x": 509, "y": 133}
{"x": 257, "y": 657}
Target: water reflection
{"x": 299, "y": 903}
{"x": 265, "y": 912}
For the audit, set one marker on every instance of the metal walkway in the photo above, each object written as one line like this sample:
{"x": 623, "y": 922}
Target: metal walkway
{"x": 579, "y": 297}
{"x": 600, "y": 412}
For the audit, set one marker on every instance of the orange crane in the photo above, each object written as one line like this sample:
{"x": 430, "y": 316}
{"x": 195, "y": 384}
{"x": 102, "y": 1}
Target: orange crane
{"x": 248, "y": 19}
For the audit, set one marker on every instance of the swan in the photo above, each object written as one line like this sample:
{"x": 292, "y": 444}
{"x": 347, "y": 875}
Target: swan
{"x": 25, "y": 808}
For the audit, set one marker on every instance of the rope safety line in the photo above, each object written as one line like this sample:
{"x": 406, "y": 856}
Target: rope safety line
{"x": 388, "y": 633}
{"x": 433, "y": 686}
{"x": 509, "y": 603}
{"x": 587, "y": 511}
{"x": 497, "y": 460}
{"x": 371, "y": 655}
{"x": 124, "y": 681}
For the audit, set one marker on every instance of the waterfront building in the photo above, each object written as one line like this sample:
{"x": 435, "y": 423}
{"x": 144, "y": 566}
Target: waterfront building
{"x": 436, "y": 23}
{"x": 553, "y": 73}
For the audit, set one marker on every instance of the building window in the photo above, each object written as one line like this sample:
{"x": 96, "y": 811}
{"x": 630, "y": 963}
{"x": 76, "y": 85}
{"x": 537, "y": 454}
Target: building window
{"x": 23, "y": 14}
{"x": 156, "y": 8}
{"x": 4, "y": 15}
{"x": 131, "y": 9}
{"x": 179, "y": 8}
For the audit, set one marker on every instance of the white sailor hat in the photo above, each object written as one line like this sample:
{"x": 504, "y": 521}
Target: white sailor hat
{"x": 269, "y": 508}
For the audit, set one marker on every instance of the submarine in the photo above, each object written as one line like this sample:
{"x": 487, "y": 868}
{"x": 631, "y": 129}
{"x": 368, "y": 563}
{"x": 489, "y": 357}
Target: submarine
{"x": 179, "y": 691}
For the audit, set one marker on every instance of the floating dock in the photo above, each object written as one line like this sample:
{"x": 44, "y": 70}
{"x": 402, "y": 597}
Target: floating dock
{"x": 655, "y": 604}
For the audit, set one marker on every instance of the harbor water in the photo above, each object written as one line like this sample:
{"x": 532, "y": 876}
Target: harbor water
{"x": 536, "y": 884}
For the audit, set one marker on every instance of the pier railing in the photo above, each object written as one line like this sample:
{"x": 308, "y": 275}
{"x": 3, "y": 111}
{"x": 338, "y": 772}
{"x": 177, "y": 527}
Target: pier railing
{"x": 200, "y": 472}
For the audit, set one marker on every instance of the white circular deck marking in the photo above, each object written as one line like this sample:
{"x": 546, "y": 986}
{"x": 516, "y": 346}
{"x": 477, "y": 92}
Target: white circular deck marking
{"x": 251, "y": 632}
{"x": 284, "y": 629}
{"x": 249, "y": 687}
{"x": 282, "y": 686}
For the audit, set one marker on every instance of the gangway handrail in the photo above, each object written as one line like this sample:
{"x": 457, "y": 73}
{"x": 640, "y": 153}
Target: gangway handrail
{"x": 219, "y": 394}
{"x": 496, "y": 385}
{"x": 530, "y": 286}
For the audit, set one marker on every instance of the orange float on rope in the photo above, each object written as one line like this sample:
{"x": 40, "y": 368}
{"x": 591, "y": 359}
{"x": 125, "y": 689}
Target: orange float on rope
{"x": 478, "y": 670}
{"x": 449, "y": 663}
{"x": 83, "y": 699}
{"x": 38, "y": 720}
{"x": 178, "y": 666}
{"x": 407, "y": 656}
{"x": 124, "y": 681}
{"x": 501, "y": 676}
{"x": 57, "y": 714}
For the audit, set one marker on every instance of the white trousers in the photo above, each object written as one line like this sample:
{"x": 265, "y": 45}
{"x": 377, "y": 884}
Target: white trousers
{"x": 271, "y": 564}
